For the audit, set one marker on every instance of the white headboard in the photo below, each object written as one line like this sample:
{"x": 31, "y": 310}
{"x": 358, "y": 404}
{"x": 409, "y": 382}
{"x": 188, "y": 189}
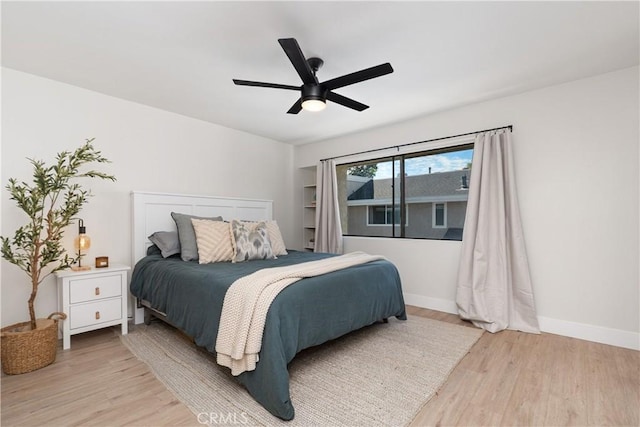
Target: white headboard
{"x": 152, "y": 212}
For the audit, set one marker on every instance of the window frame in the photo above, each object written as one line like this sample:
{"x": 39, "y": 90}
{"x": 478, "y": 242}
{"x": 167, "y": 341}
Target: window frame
{"x": 398, "y": 195}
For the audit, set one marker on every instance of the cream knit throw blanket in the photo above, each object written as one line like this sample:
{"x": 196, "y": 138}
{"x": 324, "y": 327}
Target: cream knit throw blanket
{"x": 247, "y": 301}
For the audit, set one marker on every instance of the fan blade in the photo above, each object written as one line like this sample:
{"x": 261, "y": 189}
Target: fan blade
{"x": 261, "y": 84}
{"x": 347, "y": 102}
{"x": 293, "y": 51}
{"x": 295, "y": 108}
{"x": 358, "y": 76}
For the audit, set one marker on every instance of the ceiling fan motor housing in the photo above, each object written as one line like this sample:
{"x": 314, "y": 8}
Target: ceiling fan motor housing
{"x": 315, "y": 91}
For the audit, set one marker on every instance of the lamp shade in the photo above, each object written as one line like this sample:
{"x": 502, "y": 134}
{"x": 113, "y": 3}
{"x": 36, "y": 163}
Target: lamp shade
{"x": 313, "y": 105}
{"x": 82, "y": 242}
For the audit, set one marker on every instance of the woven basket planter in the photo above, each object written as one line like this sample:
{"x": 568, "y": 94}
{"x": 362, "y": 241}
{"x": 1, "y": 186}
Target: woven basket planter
{"x": 25, "y": 350}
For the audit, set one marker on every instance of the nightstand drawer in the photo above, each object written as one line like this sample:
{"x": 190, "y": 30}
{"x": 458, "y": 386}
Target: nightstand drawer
{"x": 94, "y": 288}
{"x": 93, "y": 313}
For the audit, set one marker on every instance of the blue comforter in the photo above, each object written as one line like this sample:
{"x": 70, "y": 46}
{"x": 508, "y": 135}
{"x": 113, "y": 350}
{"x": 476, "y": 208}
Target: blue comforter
{"x": 310, "y": 312}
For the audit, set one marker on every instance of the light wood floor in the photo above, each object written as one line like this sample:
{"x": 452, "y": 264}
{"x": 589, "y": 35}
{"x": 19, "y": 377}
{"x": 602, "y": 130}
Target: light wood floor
{"x": 507, "y": 379}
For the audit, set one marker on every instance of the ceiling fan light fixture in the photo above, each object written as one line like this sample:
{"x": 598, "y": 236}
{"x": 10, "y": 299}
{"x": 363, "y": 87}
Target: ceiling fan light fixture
{"x": 313, "y": 105}
{"x": 314, "y": 97}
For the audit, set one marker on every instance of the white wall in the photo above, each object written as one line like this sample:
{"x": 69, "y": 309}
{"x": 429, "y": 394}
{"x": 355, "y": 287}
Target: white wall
{"x": 150, "y": 149}
{"x": 577, "y": 161}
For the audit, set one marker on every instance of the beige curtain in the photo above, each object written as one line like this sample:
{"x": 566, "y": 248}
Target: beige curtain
{"x": 494, "y": 285}
{"x": 328, "y": 229}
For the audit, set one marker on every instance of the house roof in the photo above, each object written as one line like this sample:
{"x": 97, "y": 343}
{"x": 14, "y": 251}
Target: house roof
{"x": 426, "y": 187}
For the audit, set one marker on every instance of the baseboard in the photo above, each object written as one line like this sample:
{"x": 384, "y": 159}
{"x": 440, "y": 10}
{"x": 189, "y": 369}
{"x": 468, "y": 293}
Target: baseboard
{"x": 438, "y": 304}
{"x": 599, "y": 334}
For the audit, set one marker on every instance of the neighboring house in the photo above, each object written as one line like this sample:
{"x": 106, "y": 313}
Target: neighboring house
{"x": 435, "y": 204}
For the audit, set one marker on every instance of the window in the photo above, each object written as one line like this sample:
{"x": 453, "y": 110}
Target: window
{"x": 439, "y": 215}
{"x": 377, "y": 196}
{"x": 383, "y": 215}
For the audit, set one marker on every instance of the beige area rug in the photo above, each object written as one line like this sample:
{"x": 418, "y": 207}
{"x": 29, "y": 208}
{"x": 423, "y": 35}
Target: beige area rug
{"x": 378, "y": 376}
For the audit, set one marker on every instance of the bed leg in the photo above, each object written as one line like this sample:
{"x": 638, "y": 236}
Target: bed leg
{"x": 147, "y": 317}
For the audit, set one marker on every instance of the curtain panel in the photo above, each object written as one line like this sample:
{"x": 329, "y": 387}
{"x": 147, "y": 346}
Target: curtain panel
{"x": 494, "y": 289}
{"x": 328, "y": 236}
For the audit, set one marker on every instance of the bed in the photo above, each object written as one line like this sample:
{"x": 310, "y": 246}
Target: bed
{"x": 312, "y": 311}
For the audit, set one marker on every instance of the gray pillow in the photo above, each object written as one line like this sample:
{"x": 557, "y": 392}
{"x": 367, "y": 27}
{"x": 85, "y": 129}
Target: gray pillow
{"x": 167, "y": 242}
{"x": 187, "y": 236}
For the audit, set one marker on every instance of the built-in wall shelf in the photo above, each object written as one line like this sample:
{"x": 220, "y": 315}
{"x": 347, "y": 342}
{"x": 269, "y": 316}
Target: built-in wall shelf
{"x": 308, "y": 208}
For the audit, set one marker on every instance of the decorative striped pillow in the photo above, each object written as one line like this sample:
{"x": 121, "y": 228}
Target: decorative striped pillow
{"x": 214, "y": 241}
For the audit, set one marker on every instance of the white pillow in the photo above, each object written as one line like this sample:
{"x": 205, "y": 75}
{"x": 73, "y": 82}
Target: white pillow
{"x": 214, "y": 241}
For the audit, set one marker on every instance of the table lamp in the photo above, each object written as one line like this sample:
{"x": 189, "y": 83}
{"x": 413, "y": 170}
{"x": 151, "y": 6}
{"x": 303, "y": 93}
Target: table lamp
{"x": 81, "y": 244}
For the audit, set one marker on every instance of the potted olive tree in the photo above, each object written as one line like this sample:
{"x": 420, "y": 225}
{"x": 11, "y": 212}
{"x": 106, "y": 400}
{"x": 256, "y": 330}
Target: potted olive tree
{"x": 51, "y": 202}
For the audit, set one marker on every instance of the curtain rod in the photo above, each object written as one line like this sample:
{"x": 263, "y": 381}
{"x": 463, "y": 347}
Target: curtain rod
{"x": 510, "y": 127}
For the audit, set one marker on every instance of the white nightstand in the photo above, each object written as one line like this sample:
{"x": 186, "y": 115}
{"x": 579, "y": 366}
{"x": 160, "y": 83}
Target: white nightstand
{"x": 92, "y": 299}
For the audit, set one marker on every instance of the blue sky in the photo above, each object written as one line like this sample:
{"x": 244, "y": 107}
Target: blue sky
{"x": 438, "y": 162}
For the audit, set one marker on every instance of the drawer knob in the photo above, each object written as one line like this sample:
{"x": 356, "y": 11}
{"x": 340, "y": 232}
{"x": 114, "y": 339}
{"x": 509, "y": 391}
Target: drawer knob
{"x": 97, "y": 315}
{"x": 97, "y": 290}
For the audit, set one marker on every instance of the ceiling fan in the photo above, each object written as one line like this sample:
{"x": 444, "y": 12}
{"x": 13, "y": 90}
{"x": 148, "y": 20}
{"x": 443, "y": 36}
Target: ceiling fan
{"x": 313, "y": 94}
